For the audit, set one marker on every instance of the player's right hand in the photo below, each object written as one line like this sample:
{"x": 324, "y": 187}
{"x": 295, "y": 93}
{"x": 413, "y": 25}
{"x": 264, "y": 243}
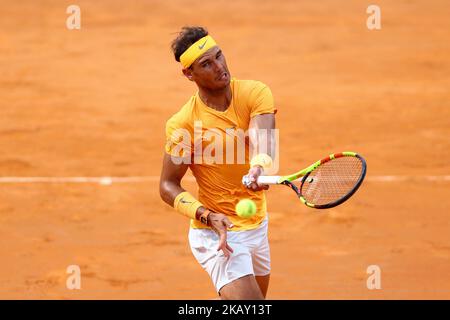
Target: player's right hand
{"x": 220, "y": 224}
{"x": 252, "y": 178}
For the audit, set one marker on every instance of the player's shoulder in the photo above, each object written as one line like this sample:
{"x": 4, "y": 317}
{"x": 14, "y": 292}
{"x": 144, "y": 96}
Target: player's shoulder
{"x": 250, "y": 85}
{"x": 251, "y": 88}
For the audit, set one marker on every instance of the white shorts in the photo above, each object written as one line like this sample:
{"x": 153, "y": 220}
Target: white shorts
{"x": 251, "y": 253}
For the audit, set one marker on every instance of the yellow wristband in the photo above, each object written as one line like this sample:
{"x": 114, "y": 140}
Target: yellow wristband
{"x": 262, "y": 159}
{"x": 186, "y": 204}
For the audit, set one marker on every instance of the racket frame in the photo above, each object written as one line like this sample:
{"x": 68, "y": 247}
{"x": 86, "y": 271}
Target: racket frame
{"x": 289, "y": 179}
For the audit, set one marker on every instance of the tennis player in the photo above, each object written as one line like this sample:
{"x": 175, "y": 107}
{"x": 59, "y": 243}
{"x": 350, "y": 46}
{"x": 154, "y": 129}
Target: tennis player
{"x": 233, "y": 250}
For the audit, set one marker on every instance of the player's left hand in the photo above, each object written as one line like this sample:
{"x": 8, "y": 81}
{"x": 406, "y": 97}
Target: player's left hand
{"x": 253, "y": 175}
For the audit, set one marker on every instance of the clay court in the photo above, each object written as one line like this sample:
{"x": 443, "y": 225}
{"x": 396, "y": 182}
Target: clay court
{"x": 93, "y": 103}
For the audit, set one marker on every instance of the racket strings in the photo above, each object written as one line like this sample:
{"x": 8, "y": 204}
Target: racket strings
{"x": 332, "y": 180}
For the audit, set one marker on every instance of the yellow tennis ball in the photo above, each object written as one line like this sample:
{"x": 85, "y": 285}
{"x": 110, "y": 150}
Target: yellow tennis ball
{"x": 246, "y": 208}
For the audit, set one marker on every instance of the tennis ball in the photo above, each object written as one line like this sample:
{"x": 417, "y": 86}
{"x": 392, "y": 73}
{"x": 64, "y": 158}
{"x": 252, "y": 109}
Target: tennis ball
{"x": 246, "y": 208}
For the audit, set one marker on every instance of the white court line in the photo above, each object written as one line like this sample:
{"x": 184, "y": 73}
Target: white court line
{"x": 136, "y": 179}
{"x": 407, "y": 178}
{"x": 78, "y": 179}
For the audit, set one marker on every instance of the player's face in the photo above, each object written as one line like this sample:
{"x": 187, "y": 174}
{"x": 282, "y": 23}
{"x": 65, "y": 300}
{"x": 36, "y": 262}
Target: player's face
{"x": 210, "y": 70}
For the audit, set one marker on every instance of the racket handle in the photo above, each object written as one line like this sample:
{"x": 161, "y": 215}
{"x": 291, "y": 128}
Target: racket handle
{"x": 268, "y": 179}
{"x": 262, "y": 180}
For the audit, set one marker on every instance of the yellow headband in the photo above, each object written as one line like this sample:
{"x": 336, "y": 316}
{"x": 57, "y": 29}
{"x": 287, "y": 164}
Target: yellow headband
{"x": 196, "y": 50}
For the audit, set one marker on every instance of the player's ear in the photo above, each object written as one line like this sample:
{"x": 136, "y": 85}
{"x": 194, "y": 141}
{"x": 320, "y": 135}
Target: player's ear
{"x": 188, "y": 73}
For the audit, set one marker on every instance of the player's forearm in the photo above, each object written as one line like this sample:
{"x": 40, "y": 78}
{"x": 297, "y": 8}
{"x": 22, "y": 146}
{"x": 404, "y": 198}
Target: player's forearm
{"x": 271, "y": 141}
{"x": 262, "y": 135}
{"x": 169, "y": 190}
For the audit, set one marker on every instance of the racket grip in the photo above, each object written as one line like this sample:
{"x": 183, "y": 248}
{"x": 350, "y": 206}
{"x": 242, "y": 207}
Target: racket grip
{"x": 261, "y": 180}
{"x": 268, "y": 179}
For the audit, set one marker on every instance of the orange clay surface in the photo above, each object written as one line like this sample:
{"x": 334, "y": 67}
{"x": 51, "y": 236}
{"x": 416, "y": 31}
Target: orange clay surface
{"x": 94, "y": 102}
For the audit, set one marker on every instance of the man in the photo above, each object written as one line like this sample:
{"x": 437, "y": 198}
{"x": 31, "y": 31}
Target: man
{"x": 233, "y": 250}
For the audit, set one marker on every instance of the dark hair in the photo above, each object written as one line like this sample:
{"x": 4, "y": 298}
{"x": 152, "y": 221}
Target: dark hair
{"x": 186, "y": 37}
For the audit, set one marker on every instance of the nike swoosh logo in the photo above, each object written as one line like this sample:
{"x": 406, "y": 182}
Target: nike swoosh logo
{"x": 203, "y": 45}
{"x": 184, "y": 201}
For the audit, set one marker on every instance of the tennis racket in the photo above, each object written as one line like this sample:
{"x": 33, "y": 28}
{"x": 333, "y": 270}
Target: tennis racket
{"x": 326, "y": 183}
